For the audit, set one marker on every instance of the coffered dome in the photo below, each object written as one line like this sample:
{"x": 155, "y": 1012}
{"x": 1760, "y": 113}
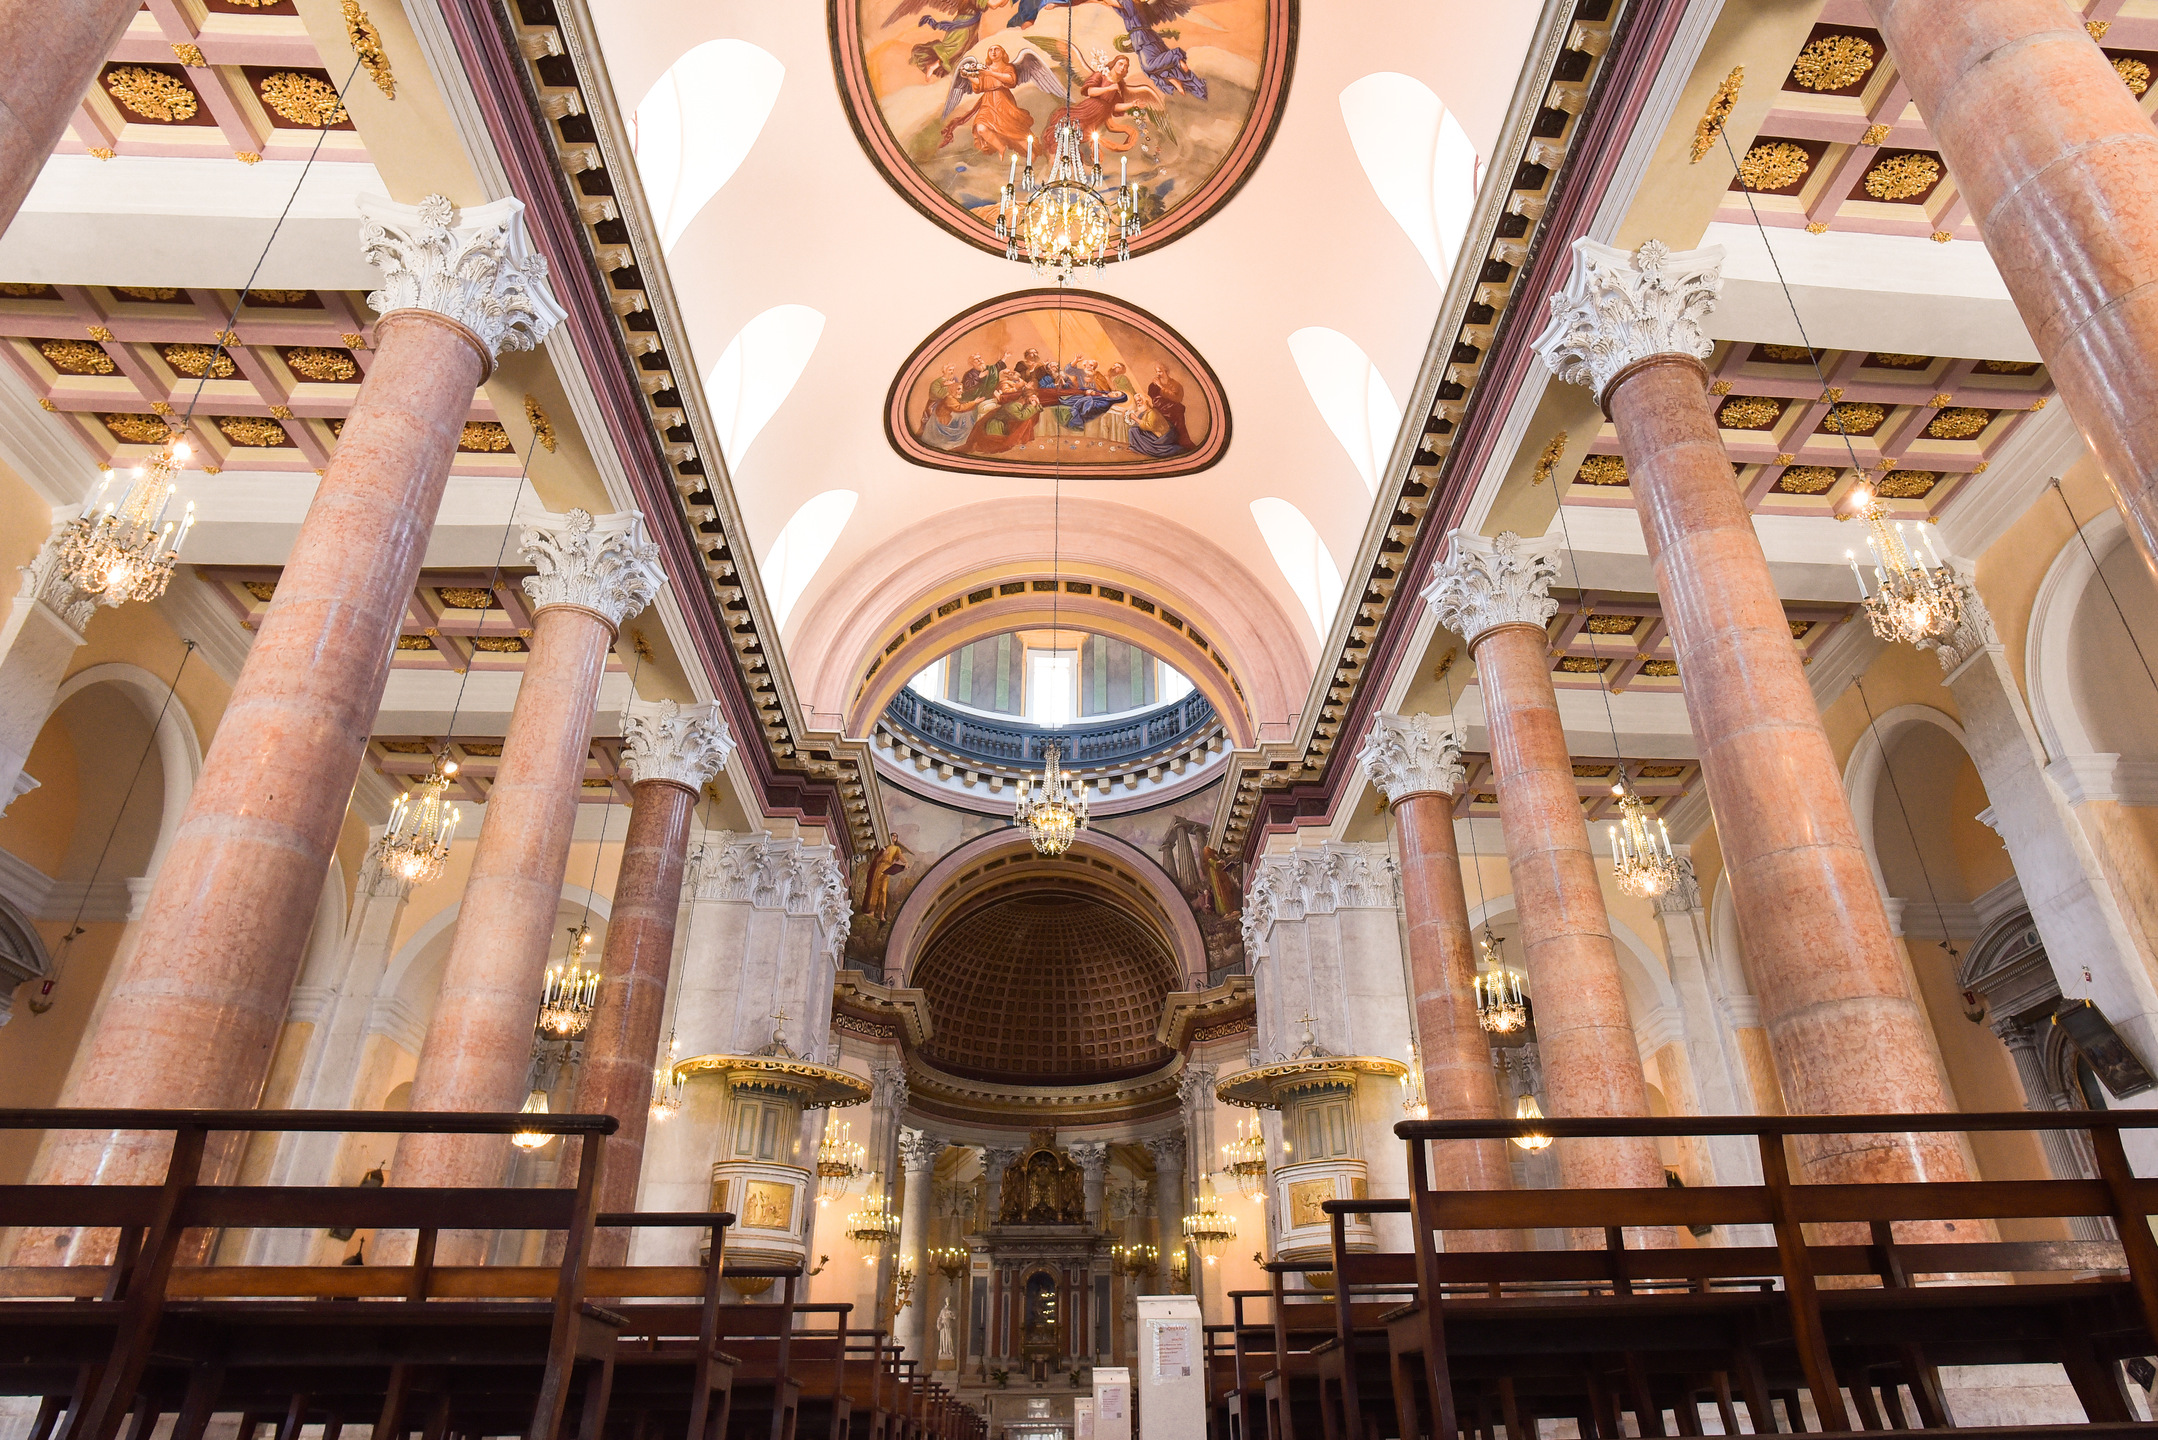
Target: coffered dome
{"x": 1046, "y": 989}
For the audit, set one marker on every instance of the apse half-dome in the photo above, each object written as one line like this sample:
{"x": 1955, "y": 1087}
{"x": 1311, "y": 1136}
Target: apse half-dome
{"x": 1046, "y": 989}
{"x": 946, "y": 94}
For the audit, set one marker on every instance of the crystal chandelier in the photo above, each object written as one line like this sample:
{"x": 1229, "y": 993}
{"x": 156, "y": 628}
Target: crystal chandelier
{"x": 1065, "y": 224}
{"x": 1909, "y": 602}
{"x": 1245, "y": 1158}
{"x": 1501, "y": 1007}
{"x": 1528, "y": 1109}
{"x": 416, "y": 846}
{"x": 127, "y": 550}
{"x": 874, "y": 1225}
{"x": 1054, "y": 814}
{"x": 1640, "y": 847}
{"x": 1209, "y": 1227}
{"x": 839, "y": 1162}
{"x": 572, "y": 990}
{"x": 667, "y": 1083}
{"x": 535, "y": 1104}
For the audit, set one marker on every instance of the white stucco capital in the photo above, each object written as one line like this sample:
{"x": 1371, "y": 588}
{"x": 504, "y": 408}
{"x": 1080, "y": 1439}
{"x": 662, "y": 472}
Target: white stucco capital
{"x": 1974, "y": 632}
{"x": 605, "y": 564}
{"x": 1413, "y": 755}
{"x": 1618, "y": 308}
{"x": 47, "y": 582}
{"x": 685, "y": 745}
{"x": 1482, "y": 584}
{"x": 474, "y": 265}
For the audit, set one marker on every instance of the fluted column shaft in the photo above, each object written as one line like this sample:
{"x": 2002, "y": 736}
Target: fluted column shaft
{"x": 2054, "y": 156}
{"x": 54, "y": 54}
{"x": 1592, "y": 1063}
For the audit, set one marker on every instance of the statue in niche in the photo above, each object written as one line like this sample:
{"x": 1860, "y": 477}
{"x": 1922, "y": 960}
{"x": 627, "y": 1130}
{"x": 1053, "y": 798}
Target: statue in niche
{"x": 1043, "y": 1187}
{"x": 945, "y": 1348}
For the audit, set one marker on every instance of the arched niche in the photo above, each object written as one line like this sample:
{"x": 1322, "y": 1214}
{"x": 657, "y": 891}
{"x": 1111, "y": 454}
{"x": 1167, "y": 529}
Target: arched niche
{"x": 2081, "y": 665}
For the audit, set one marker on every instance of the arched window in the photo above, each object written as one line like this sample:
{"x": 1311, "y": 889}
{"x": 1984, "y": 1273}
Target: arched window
{"x": 1352, "y": 397}
{"x": 803, "y": 544}
{"x": 1303, "y": 557}
{"x": 692, "y": 129}
{"x": 757, "y": 371}
{"x": 1418, "y": 159}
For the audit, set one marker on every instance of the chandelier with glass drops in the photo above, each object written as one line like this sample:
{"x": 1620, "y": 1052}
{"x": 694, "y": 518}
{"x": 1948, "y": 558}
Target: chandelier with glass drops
{"x": 1065, "y": 223}
{"x": 1501, "y": 1006}
{"x": 839, "y": 1161}
{"x": 1413, "y": 1099}
{"x": 128, "y": 549}
{"x": 1910, "y": 601}
{"x": 1209, "y": 1227}
{"x": 1528, "y": 1109}
{"x": 1641, "y": 856}
{"x": 1245, "y": 1158}
{"x": 571, "y": 991}
{"x": 1055, "y": 813}
{"x": 416, "y": 845}
{"x": 874, "y": 1225}
{"x": 667, "y": 1083}
{"x": 535, "y": 1104}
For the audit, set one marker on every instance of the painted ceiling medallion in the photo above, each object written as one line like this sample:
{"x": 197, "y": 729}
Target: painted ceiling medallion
{"x": 945, "y": 94}
{"x": 1088, "y": 385}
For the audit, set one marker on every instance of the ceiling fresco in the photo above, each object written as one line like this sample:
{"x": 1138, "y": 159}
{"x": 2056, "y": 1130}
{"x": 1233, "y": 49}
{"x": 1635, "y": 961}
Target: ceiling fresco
{"x": 1095, "y": 388}
{"x": 1182, "y": 95}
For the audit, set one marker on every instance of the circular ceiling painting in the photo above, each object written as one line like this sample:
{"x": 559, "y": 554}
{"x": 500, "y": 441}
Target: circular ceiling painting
{"x": 1182, "y": 95}
{"x": 1093, "y": 387}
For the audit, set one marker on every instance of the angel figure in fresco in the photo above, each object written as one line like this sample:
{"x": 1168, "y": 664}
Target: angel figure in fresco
{"x": 1166, "y": 65}
{"x": 1001, "y": 124}
{"x": 961, "y": 27}
{"x": 1104, "y": 97}
{"x": 877, "y": 883}
{"x": 947, "y": 418}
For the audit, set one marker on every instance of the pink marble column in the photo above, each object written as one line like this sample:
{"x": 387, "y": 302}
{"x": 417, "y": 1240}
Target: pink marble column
{"x": 54, "y": 55}
{"x": 1494, "y": 593}
{"x": 478, "y": 1049}
{"x": 2055, "y": 158}
{"x": 197, "y": 1005}
{"x": 1847, "y": 1037}
{"x": 672, "y": 751}
{"x": 1415, "y": 760}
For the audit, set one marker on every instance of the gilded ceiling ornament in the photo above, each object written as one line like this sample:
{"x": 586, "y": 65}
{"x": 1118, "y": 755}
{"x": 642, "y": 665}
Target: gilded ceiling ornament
{"x": 1601, "y": 470}
{"x": 501, "y": 645}
{"x": 137, "y": 429}
{"x": 1832, "y": 394}
{"x": 462, "y": 597}
{"x": 102, "y": 152}
{"x": 76, "y": 357}
{"x": 303, "y": 99}
{"x": 18, "y": 290}
{"x": 1908, "y": 484}
{"x": 279, "y": 297}
{"x": 161, "y": 407}
{"x": 1613, "y": 624}
{"x": 1833, "y": 62}
{"x": 1893, "y": 360}
{"x": 1720, "y": 104}
{"x": 281, "y": 412}
{"x": 252, "y": 430}
{"x": 149, "y": 294}
{"x": 152, "y": 94}
{"x": 1816, "y": 227}
{"x": 2134, "y": 74}
{"x": 1876, "y": 135}
{"x": 354, "y": 341}
{"x": 1900, "y": 177}
{"x": 1857, "y": 417}
{"x": 1660, "y": 669}
{"x": 542, "y": 427}
{"x": 1941, "y": 400}
{"x": 366, "y": 43}
{"x": 1800, "y": 628}
{"x": 2039, "y": 403}
{"x": 414, "y": 642}
{"x": 1786, "y": 352}
{"x": 266, "y": 591}
{"x": 337, "y": 426}
{"x": 196, "y": 361}
{"x": 312, "y": 362}
{"x": 1942, "y": 237}
{"x": 1748, "y": 412}
{"x": 1959, "y": 423}
{"x": 226, "y": 337}
{"x": 190, "y": 55}
{"x": 1583, "y": 665}
{"x": 485, "y": 436}
{"x": 247, "y": 157}
{"x": 45, "y": 402}
{"x": 2098, "y": 28}
{"x": 1782, "y": 458}
{"x": 1773, "y": 164}
{"x": 1806, "y": 480}
{"x": 2009, "y": 367}
{"x": 100, "y": 334}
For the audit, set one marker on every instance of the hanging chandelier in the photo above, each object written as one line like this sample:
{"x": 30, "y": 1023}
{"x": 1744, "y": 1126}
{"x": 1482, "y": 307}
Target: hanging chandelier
{"x": 874, "y": 1225}
{"x": 667, "y": 1083}
{"x": 1910, "y": 602}
{"x": 1055, "y": 813}
{"x": 839, "y": 1162}
{"x": 1132, "y": 1261}
{"x": 950, "y": 1261}
{"x": 1064, "y": 224}
{"x": 1245, "y": 1158}
{"x": 1640, "y": 847}
{"x": 127, "y": 550}
{"x": 1528, "y": 1109}
{"x": 535, "y": 1104}
{"x": 416, "y": 845}
{"x": 1413, "y": 1099}
{"x": 572, "y": 990}
{"x": 1209, "y": 1227}
{"x": 1501, "y": 1005}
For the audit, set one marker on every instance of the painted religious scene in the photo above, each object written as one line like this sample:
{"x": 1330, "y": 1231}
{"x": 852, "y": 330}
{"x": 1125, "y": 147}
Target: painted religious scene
{"x": 1181, "y": 95}
{"x": 1087, "y": 384}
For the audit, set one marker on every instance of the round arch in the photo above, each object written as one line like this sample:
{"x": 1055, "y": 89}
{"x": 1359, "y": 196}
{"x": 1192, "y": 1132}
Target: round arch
{"x": 405, "y": 997}
{"x": 2048, "y": 648}
{"x": 1640, "y": 966}
{"x": 1869, "y": 762}
{"x": 179, "y": 749}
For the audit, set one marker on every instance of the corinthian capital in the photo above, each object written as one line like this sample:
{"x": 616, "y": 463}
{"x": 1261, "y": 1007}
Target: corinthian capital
{"x": 47, "y": 580}
{"x": 475, "y": 266}
{"x": 1618, "y": 308}
{"x": 684, "y": 745}
{"x": 1413, "y": 755}
{"x": 1483, "y": 584}
{"x": 1974, "y": 628}
{"x": 604, "y": 565}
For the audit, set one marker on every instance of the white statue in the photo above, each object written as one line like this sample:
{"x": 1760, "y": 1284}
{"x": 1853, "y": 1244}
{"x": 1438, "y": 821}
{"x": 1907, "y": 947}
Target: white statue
{"x": 944, "y": 1332}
